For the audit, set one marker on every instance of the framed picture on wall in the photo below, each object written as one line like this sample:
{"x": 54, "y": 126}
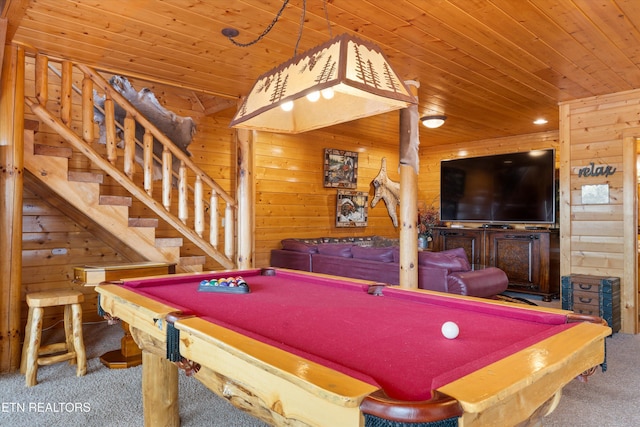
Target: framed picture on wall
{"x": 352, "y": 208}
{"x": 340, "y": 168}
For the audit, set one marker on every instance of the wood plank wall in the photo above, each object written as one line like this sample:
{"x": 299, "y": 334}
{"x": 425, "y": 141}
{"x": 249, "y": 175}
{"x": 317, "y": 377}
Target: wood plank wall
{"x": 601, "y": 239}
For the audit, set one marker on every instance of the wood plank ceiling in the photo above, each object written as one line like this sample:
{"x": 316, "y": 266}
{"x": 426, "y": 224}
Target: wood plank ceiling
{"x": 491, "y": 66}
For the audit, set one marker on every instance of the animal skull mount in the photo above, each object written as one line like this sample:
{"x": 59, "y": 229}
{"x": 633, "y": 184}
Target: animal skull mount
{"x": 180, "y": 130}
{"x": 386, "y": 190}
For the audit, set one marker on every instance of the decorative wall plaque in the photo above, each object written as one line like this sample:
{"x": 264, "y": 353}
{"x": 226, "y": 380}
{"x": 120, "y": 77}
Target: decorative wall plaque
{"x": 352, "y": 208}
{"x": 340, "y": 168}
{"x": 595, "y": 194}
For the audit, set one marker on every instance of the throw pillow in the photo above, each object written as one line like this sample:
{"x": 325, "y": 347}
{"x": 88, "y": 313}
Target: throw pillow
{"x": 459, "y": 253}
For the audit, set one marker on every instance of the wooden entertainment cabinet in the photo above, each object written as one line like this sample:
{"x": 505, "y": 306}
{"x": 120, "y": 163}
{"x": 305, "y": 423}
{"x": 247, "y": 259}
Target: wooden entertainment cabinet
{"x": 530, "y": 258}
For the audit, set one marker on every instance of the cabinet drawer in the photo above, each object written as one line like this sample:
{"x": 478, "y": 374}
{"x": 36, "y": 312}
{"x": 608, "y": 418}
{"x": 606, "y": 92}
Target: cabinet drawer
{"x": 586, "y": 287}
{"x": 586, "y": 298}
{"x": 590, "y": 310}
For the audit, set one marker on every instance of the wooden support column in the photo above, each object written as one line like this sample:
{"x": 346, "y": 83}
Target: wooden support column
{"x": 4, "y": 23}
{"x": 11, "y": 179}
{"x": 629, "y": 280}
{"x": 409, "y": 193}
{"x": 160, "y": 403}
{"x": 245, "y": 198}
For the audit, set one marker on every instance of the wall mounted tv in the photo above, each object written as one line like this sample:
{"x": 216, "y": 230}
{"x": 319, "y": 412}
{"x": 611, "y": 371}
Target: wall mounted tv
{"x": 503, "y": 188}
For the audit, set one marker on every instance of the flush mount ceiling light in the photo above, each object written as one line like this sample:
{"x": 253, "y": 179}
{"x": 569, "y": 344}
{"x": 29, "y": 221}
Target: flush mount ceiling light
{"x": 338, "y": 81}
{"x": 540, "y": 121}
{"x": 433, "y": 122}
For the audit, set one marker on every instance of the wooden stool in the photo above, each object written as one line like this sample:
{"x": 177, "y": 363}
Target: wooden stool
{"x": 72, "y": 349}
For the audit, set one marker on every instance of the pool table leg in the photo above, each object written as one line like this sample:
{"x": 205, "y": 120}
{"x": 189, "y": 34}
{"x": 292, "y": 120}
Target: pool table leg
{"x": 159, "y": 391}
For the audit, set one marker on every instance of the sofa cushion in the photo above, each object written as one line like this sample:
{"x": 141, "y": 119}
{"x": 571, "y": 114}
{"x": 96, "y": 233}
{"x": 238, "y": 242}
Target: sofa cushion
{"x": 459, "y": 253}
{"x": 298, "y": 246}
{"x": 443, "y": 260}
{"x": 373, "y": 254}
{"x": 336, "y": 249}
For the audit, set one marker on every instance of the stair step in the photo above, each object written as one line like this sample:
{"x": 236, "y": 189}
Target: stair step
{"x": 115, "y": 200}
{"x": 51, "y": 150}
{"x": 77, "y": 176}
{"x": 143, "y": 222}
{"x": 164, "y": 242}
{"x": 191, "y": 264}
{"x": 193, "y": 260}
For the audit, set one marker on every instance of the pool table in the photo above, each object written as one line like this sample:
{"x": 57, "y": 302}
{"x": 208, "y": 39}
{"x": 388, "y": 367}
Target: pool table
{"x": 308, "y": 349}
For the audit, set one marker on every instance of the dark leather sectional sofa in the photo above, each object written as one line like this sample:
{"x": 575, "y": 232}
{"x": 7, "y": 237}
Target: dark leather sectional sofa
{"x": 362, "y": 258}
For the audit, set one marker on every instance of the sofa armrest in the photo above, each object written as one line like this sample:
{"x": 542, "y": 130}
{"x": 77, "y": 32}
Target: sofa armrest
{"x": 478, "y": 283}
{"x": 291, "y": 259}
{"x": 432, "y": 279}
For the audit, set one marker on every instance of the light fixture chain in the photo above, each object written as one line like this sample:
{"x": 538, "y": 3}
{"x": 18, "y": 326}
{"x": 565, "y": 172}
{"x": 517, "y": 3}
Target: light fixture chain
{"x": 326, "y": 16}
{"x": 304, "y": 10}
{"x": 266, "y": 31}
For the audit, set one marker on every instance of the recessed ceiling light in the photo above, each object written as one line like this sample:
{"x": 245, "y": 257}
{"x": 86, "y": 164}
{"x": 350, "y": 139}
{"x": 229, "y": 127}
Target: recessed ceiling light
{"x": 540, "y": 121}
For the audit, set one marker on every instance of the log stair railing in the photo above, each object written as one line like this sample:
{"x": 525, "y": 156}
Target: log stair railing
{"x": 84, "y": 191}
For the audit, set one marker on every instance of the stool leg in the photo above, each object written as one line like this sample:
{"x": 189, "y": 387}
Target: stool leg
{"x": 78, "y": 340}
{"x": 25, "y": 343}
{"x": 35, "y": 332}
{"x": 68, "y": 332}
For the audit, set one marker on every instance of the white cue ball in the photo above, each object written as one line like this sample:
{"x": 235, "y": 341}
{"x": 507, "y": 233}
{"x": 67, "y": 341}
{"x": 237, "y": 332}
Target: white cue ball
{"x": 450, "y": 330}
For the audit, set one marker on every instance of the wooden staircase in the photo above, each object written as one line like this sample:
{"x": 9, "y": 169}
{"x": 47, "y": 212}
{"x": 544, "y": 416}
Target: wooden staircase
{"x": 48, "y": 166}
{"x": 78, "y": 193}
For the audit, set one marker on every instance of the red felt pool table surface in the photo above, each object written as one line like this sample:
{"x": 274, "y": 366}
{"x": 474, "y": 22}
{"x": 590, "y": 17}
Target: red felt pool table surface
{"x": 394, "y": 341}
{"x": 391, "y": 341}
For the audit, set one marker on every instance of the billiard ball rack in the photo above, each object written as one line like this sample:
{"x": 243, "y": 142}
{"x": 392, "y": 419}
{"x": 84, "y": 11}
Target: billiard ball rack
{"x": 231, "y": 285}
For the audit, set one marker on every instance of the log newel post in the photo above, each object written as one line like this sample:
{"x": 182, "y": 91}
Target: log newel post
{"x": 409, "y": 193}
{"x": 245, "y": 197}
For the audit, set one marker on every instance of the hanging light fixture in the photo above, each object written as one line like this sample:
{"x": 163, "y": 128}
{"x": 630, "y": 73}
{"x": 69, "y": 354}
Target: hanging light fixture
{"x": 433, "y": 122}
{"x": 338, "y": 81}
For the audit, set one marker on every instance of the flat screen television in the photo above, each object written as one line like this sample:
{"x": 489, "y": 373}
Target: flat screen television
{"x": 501, "y": 189}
